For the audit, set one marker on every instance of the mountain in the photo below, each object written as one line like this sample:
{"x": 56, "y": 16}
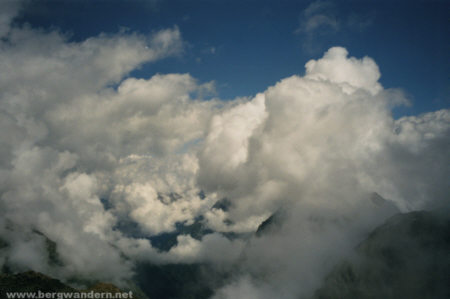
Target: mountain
{"x": 407, "y": 257}
{"x": 271, "y": 224}
{"x": 31, "y": 281}
{"x": 175, "y": 281}
{"x": 168, "y": 281}
{"x": 157, "y": 282}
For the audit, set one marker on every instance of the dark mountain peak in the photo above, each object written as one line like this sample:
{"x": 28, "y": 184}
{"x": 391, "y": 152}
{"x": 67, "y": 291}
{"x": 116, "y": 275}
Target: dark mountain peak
{"x": 271, "y": 224}
{"x": 31, "y": 281}
{"x": 406, "y": 257}
{"x": 421, "y": 227}
{"x": 377, "y": 199}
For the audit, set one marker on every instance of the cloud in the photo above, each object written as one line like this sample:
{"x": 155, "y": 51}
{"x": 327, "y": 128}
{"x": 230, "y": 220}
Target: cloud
{"x": 226, "y": 146}
{"x": 318, "y": 15}
{"x": 213, "y": 248}
{"x": 337, "y": 68}
{"x": 323, "y": 143}
{"x": 8, "y": 10}
{"x": 86, "y": 148}
{"x": 68, "y": 138}
{"x": 323, "y": 23}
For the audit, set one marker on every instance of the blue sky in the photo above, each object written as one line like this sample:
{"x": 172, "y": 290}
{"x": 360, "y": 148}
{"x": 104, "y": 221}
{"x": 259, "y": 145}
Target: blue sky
{"x": 246, "y": 46}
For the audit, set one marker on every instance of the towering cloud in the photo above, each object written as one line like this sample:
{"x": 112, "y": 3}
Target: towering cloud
{"x": 327, "y": 141}
{"x": 86, "y": 150}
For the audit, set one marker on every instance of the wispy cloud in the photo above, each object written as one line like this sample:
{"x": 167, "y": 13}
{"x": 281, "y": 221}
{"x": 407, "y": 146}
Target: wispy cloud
{"x": 8, "y": 10}
{"x": 318, "y": 15}
{"x": 321, "y": 20}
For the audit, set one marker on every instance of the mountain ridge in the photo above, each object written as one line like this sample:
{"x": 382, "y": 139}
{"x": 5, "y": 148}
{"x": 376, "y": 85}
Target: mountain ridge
{"x": 406, "y": 257}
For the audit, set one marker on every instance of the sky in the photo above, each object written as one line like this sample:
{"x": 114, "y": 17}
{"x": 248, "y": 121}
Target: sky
{"x": 333, "y": 115}
{"x": 264, "y": 41}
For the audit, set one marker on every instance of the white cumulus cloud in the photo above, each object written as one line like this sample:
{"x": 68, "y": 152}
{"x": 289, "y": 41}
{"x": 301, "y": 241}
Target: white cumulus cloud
{"x": 85, "y": 148}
